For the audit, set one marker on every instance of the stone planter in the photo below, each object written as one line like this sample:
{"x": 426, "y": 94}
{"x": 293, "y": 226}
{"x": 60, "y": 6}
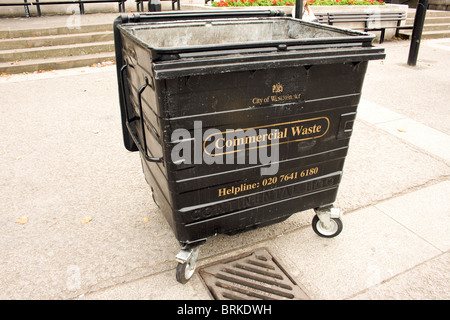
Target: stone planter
{"x": 326, "y": 9}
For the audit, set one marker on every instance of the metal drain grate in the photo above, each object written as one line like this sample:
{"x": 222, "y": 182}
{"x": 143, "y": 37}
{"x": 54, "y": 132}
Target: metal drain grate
{"x": 251, "y": 276}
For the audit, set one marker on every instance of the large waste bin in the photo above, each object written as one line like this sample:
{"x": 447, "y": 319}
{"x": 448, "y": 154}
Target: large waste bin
{"x": 242, "y": 118}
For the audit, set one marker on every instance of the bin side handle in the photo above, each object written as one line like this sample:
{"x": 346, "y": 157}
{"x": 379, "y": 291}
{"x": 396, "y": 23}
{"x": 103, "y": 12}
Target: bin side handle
{"x": 141, "y": 117}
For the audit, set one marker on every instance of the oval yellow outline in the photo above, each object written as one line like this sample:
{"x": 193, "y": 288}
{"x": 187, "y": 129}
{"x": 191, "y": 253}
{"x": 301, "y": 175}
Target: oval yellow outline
{"x": 272, "y": 125}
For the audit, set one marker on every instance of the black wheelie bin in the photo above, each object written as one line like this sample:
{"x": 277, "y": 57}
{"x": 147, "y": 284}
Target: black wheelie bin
{"x": 242, "y": 118}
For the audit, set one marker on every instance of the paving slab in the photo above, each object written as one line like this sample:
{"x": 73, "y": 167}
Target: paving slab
{"x": 161, "y": 286}
{"x": 427, "y": 281}
{"x": 370, "y": 249}
{"x": 426, "y": 212}
{"x": 419, "y": 93}
{"x": 432, "y": 141}
{"x": 379, "y": 166}
{"x": 63, "y": 160}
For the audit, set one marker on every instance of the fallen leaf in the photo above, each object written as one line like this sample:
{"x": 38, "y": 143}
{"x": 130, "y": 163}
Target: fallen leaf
{"x": 22, "y": 220}
{"x": 86, "y": 219}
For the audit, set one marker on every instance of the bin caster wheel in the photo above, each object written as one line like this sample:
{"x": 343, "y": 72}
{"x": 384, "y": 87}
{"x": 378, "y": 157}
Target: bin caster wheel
{"x": 334, "y": 228}
{"x": 187, "y": 262}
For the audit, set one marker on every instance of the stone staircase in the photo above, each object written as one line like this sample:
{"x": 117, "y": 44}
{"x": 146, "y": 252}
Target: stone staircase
{"x": 437, "y": 24}
{"x": 53, "y": 48}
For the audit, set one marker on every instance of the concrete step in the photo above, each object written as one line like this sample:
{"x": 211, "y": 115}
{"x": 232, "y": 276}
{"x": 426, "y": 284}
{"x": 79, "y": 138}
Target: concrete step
{"x": 427, "y": 34}
{"x": 430, "y": 20}
{"x": 56, "y": 51}
{"x": 430, "y": 13}
{"x": 54, "y": 31}
{"x": 54, "y": 40}
{"x": 55, "y": 63}
{"x": 437, "y": 24}
{"x": 436, "y": 27}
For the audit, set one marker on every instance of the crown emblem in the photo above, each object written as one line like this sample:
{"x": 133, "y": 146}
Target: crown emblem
{"x": 277, "y": 88}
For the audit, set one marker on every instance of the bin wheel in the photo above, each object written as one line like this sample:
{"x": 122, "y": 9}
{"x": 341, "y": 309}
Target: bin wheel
{"x": 185, "y": 270}
{"x": 334, "y": 229}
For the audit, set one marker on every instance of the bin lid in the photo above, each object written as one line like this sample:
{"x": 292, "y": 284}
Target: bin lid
{"x": 224, "y": 45}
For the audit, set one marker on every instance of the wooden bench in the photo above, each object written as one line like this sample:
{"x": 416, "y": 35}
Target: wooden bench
{"x": 369, "y": 19}
{"x": 140, "y": 4}
{"x": 25, "y": 4}
{"x": 81, "y": 4}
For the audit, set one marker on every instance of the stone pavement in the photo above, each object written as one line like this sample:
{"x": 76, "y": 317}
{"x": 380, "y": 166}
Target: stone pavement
{"x": 78, "y": 220}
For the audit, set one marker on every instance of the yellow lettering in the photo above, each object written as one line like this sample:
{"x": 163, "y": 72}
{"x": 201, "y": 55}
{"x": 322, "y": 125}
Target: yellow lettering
{"x": 257, "y": 101}
{"x": 217, "y": 143}
{"x": 303, "y": 131}
{"x": 296, "y": 130}
{"x": 229, "y": 143}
